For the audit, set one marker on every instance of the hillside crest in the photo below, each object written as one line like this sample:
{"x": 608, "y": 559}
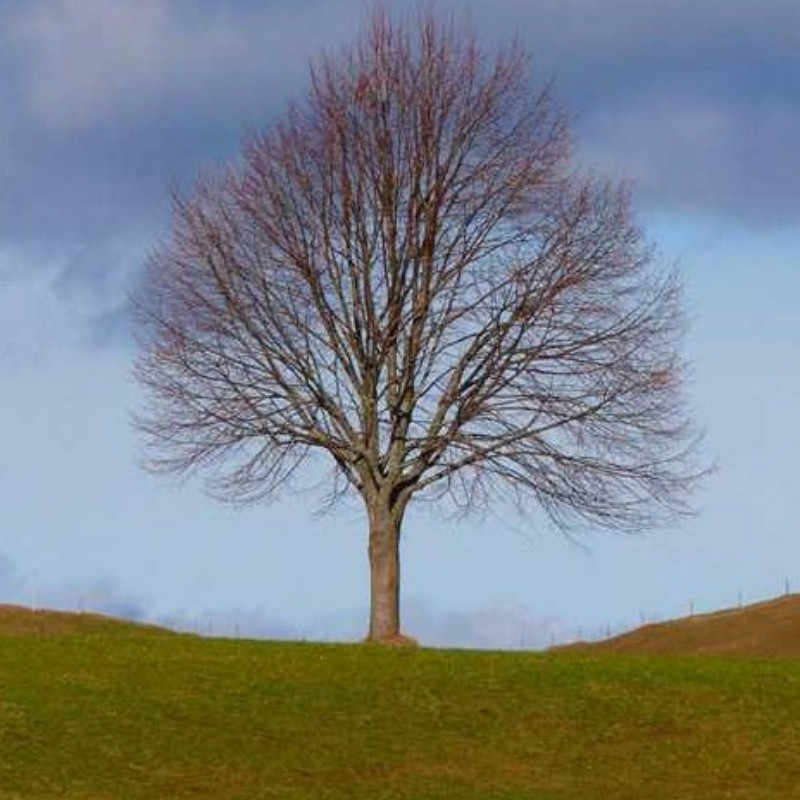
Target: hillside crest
{"x": 769, "y": 628}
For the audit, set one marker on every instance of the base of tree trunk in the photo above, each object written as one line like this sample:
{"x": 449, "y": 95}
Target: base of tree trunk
{"x": 396, "y": 640}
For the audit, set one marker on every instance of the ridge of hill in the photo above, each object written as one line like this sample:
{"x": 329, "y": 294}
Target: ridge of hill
{"x": 766, "y": 629}
{"x": 23, "y": 621}
{"x": 770, "y": 628}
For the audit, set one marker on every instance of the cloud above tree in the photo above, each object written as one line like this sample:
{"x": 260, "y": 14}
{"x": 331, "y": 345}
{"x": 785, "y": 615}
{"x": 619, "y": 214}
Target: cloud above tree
{"x": 107, "y": 101}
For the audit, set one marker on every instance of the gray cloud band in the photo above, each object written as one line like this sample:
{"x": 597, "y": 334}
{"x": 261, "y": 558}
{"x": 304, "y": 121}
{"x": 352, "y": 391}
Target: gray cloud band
{"x": 105, "y": 102}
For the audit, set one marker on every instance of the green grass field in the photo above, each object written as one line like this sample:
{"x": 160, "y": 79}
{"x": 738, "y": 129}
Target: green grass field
{"x": 116, "y": 711}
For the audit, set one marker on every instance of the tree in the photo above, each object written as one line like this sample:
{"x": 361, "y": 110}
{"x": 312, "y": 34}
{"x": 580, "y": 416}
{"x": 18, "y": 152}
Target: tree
{"x": 406, "y": 275}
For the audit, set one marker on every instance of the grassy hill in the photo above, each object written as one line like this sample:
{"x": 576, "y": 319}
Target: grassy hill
{"x": 92, "y": 709}
{"x": 764, "y": 629}
{"x": 20, "y": 621}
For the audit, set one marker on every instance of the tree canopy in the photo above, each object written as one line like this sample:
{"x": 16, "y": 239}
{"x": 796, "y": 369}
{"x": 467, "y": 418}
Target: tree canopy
{"x": 407, "y": 275}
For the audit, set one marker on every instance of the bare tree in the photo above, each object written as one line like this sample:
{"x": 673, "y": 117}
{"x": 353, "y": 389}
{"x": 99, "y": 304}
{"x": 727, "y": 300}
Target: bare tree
{"x": 407, "y": 275}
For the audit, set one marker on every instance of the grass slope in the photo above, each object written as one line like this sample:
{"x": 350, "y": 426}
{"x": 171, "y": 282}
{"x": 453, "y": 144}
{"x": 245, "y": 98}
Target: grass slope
{"x": 20, "y": 621}
{"x": 108, "y": 710}
{"x": 764, "y": 629}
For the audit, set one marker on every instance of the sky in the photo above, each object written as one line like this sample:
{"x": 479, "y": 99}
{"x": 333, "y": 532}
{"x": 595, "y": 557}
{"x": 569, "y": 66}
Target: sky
{"x": 105, "y": 104}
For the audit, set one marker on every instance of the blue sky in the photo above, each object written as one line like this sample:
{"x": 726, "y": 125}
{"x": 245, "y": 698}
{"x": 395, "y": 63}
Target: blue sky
{"x": 106, "y": 102}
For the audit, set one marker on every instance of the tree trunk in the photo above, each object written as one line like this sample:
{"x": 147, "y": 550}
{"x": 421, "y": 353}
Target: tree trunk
{"x": 384, "y": 566}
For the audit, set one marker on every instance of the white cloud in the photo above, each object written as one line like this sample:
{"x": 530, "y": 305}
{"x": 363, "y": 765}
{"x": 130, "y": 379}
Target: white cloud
{"x": 495, "y": 627}
{"x": 506, "y": 627}
{"x": 101, "y": 596}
